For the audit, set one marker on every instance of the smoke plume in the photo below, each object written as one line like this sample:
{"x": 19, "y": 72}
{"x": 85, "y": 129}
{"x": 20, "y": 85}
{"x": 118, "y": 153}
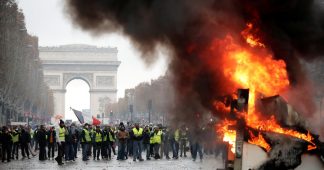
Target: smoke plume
{"x": 291, "y": 29}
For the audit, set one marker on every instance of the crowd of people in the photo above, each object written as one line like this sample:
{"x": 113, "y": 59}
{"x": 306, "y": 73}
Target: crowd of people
{"x": 103, "y": 142}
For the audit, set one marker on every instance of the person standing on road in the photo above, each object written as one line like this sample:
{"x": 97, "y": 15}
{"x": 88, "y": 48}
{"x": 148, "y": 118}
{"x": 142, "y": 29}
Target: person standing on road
{"x": 75, "y": 140}
{"x": 69, "y": 152}
{"x": 51, "y": 140}
{"x": 122, "y": 137}
{"x": 175, "y": 143}
{"x": 196, "y": 143}
{"x": 85, "y": 141}
{"x": 137, "y": 136}
{"x": 6, "y": 144}
{"x": 24, "y": 141}
{"x": 111, "y": 142}
{"x": 157, "y": 138}
{"x": 146, "y": 141}
{"x": 166, "y": 142}
{"x": 60, "y": 137}
{"x": 41, "y": 138}
{"x": 97, "y": 135}
{"x": 15, "y": 140}
{"x": 183, "y": 141}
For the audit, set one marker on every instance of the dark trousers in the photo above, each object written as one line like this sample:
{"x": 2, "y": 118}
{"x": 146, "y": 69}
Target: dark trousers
{"x": 6, "y": 152}
{"x": 24, "y": 149}
{"x": 104, "y": 146}
{"x": 85, "y": 147}
{"x": 156, "y": 151}
{"x": 196, "y": 147}
{"x": 122, "y": 151}
{"x": 111, "y": 144}
{"x": 75, "y": 149}
{"x": 111, "y": 149}
{"x": 60, "y": 153}
{"x": 50, "y": 150}
{"x": 151, "y": 149}
{"x": 42, "y": 152}
{"x": 130, "y": 147}
{"x": 147, "y": 148}
{"x": 69, "y": 152}
{"x": 96, "y": 150}
{"x": 183, "y": 147}
{"x": 175, "y": 149}
{"x": 166, "y": 149}
{"x": 15, "y": 150}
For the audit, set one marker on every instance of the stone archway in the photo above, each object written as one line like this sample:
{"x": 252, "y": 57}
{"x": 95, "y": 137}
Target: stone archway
{"x": 96, "y": 66}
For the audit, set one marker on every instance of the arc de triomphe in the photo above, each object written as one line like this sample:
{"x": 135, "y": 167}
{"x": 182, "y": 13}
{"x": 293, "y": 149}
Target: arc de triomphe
{"x": 96, "y": 66}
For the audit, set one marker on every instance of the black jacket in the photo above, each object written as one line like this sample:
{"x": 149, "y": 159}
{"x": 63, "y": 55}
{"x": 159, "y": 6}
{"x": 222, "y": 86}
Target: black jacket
{"x": 24, "y": 137}
{"x": 41, "y": 137}
{"x": 146, "y": 137}
{"x": 49, "y": 134}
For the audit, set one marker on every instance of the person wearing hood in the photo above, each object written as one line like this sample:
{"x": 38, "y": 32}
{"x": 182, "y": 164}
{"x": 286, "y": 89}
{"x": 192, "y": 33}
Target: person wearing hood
{"x": 60, "y": 138}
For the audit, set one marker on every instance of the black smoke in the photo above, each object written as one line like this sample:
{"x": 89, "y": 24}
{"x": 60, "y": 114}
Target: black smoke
{"x": 291, "y": 29}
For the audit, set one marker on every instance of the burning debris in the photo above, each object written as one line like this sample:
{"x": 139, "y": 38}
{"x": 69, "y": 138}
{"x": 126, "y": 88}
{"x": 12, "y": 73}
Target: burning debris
{"x": 224, "y": 45}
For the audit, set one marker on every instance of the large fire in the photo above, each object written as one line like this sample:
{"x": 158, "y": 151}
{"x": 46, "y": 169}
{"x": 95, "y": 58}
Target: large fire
{"x": 253, "y": 67}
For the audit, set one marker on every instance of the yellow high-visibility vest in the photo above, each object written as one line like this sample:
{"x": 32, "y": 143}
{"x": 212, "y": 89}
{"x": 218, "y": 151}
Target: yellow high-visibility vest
{"x": 62, "y": 134}
{"x": 111, "y": 139}
{"x": 98, "y": 137}
{"x": 138, "y": 133}
{"x": 157, "y": 137}
{"x": 15, "y": 138}
{"x": 86, "y": 135}
{"x": 31, "y": 133}
{"x": 105, "y": 137}
{"x": 176, "y": 135}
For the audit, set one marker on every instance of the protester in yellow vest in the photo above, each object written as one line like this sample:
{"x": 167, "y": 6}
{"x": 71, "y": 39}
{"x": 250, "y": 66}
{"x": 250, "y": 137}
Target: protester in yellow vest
{"x": 15, "y": 140}
{"x": 146, "y": 141}
{"x": 111, "y": 142}
{"x": 60, "y": 138}
{"x": 85, "y": 141}
{"x": 97, "y": 147}
{"x": 137, "y": 142}
{"x": 157, "y": 139}
{"x": 175, "y": 145}
{"x": 183, "y": 141}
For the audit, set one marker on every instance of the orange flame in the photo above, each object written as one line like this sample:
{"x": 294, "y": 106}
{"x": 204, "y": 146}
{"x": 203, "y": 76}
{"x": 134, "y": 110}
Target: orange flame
{"x": 229, "y": 134}
{"x": 259, "y": 140}
{"x": 256, "y": 70}
{"x": 250, "y": 38}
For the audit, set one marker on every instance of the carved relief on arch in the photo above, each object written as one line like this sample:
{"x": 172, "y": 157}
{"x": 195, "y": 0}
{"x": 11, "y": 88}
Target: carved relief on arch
{"x": 87, "y": 77}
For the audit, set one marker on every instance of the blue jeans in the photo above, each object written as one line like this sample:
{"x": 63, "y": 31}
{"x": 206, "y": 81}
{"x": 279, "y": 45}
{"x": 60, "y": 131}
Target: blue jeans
{"x": 121, "y": 150}
{"x": 137, "y": 150}
{"x": 147, "y": 148}
{"x": 69, "y": 152}
{"x": 175, "y": 149}
{"x": 85, "y": 147}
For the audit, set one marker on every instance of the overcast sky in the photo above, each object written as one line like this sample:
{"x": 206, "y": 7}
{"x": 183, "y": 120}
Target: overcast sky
{"x": 46, "y": 19}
